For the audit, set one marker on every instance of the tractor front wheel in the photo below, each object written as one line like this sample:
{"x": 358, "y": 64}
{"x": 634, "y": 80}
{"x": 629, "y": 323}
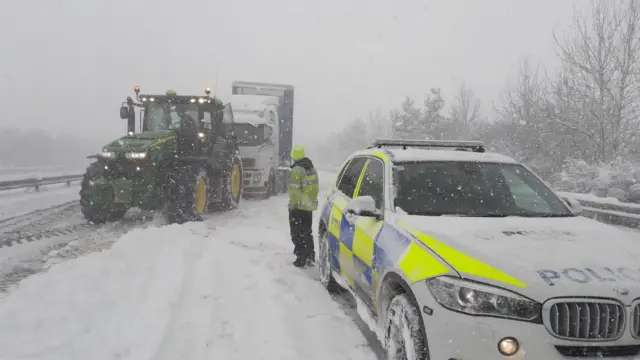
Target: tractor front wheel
{"x": 95, "y": 207}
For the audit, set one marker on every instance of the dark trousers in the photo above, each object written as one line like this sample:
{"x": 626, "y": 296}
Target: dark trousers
{"x": 300, "y": 223}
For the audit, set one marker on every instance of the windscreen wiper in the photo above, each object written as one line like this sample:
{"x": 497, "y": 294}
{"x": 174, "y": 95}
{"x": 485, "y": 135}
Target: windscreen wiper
{"x": 552, "y": 215}
{"x": 461, "y": 214}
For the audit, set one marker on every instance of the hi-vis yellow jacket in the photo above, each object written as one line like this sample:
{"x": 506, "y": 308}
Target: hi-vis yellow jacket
{"x": 303, "y": 186}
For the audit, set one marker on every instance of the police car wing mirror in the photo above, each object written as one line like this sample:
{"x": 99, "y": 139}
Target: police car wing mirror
{"x": 574, "y": 205}
{"x": 364, "y": 206}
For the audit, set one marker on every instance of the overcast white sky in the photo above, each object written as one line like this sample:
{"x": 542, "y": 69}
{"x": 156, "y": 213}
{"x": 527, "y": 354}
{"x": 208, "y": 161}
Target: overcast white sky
{"x": 65, "y": 65}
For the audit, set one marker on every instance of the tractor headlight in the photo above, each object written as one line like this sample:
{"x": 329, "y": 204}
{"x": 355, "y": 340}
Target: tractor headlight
{"x": 136, "y": 155}
{"x": 483, "y": 300}
{"x": 257, "y": 176}
{"x": 108, "y": 154}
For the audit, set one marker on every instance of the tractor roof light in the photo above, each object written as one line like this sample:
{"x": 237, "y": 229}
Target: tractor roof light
{"x": 207, "y": 91}
{"x": 137, "y": 89}
{"x": 171, "y": 92}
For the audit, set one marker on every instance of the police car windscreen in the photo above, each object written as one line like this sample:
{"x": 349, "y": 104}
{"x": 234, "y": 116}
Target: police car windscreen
{"x": 474, "y": 189}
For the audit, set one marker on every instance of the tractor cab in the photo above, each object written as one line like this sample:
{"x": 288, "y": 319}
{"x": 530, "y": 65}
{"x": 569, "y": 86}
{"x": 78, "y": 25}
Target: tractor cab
{"x": 198, "y": 121}
{"x": 170, "y": 111}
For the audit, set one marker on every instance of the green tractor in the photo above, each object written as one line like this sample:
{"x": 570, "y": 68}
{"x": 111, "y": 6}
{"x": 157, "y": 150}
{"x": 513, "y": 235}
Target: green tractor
{"x": 184, "y": 161}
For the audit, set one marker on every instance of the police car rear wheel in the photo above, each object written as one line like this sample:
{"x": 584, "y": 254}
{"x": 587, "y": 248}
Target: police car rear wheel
{"x": 326, "y": 277}
{"x": 404, "y": 333}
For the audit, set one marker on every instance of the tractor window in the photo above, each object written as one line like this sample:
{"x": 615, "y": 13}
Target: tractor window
{"x": 205, "y": 123}
{"x": 227, "y": 114}
{"x": 174, "y": 116}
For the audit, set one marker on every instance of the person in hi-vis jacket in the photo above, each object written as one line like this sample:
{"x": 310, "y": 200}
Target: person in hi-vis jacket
{"x": 303, "y": 200}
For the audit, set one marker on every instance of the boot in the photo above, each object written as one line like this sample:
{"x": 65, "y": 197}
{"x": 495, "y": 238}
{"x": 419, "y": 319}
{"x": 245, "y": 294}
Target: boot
{"x": 311, "y": 262}
{"x": 300, "y": 262}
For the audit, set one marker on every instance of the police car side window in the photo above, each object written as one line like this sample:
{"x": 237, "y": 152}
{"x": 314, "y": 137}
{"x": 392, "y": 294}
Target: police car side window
{"x": 344, "y": 168}
{"x": 350, "y": 178}
{"x": 372, "y": 182}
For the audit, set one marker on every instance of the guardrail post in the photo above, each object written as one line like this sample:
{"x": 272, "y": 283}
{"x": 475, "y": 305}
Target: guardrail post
{"x": 37, "y": 187}
{"x": 68, "y": 183}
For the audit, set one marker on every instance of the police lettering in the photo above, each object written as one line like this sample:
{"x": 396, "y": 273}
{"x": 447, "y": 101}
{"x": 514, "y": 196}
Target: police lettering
{"x": 588, "y": 275}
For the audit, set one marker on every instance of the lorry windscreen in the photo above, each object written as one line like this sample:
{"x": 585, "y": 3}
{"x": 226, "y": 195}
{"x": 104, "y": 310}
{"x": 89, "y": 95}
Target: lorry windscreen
{"x": 251, "y": 135}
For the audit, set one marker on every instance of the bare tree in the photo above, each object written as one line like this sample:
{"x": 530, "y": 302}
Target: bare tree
{"x": 523, "y": 126}
{"x": 598, "y": 91}
{"x": 464, "y": 114}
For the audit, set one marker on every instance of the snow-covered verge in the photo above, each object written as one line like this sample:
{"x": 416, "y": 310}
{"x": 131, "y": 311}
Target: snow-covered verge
{"x": 11, "y": 174}
{"x": 619, "y": 180}
{"x": 600, "y": 200}
{"x": 219, "y": 289}
{"x": 20, "y": 201}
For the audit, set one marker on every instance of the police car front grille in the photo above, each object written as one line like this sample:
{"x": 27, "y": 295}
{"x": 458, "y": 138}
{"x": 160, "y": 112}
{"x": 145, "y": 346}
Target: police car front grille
{"x": 598, "y": 351}
{"x": 586, "y": 320}
{"x": 635, "y": 321}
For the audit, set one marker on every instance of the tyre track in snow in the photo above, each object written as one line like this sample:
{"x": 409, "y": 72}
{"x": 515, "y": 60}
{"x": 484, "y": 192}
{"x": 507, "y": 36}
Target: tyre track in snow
{"x": 32, "y": 242}
{"x": 35, "y": 216}
{"x": 41, "y": 224}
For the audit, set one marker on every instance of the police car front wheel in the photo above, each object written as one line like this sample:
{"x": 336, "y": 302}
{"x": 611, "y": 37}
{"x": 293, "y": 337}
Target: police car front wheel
{"x": 404, "y": 332}
{"x": 326, "y": 277}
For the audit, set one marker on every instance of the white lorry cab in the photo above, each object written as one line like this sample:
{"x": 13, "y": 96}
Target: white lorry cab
{"x": 263, "y": 115}
{"x": 256, "y": 123}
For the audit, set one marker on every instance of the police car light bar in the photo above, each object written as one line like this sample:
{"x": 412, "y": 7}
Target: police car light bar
{"x": 476, "y": 146}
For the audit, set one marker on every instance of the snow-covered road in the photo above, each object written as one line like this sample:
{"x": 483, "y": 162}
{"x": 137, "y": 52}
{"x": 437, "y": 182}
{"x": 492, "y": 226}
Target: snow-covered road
{"x": 219, "y": 289}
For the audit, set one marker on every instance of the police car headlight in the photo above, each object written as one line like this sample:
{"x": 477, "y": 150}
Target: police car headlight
{"x": 483, "y": 300}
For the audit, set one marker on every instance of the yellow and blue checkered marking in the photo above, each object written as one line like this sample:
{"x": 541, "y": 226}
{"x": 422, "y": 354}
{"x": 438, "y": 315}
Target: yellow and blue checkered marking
{"x": 363, "y": 251}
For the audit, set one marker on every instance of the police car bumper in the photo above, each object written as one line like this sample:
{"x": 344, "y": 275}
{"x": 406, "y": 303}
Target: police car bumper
{"x": 456, "y": 336}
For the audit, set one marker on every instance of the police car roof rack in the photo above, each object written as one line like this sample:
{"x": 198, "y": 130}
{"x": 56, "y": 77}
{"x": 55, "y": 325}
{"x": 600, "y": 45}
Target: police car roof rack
{"x": 475, "y": 146}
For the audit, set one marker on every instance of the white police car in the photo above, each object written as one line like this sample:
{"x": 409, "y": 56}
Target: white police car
{"x": 468, "y": 255}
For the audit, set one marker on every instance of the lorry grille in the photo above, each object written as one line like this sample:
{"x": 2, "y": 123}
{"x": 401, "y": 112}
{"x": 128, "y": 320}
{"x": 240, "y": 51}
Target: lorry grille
{"x": 586, "y": 320}
{"x": 635, "y": 321}
{"x": 248, "y": 163}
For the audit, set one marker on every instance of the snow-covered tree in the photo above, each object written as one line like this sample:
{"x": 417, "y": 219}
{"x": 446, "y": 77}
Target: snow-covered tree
{"x": 598, "y": 90}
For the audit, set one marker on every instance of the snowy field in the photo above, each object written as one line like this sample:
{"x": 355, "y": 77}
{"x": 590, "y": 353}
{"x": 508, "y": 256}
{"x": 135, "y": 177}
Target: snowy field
{"x": 219, "y": 289}
{"x": 19, "y": 173}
